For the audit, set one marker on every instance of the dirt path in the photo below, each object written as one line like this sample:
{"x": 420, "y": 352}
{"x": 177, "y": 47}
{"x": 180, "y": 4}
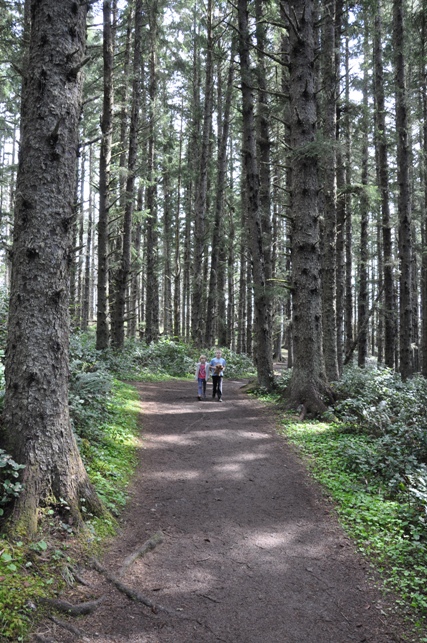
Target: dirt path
{"x": 252, "y": 553}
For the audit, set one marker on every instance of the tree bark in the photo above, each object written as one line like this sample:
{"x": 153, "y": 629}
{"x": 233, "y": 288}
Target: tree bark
{"x": 308, "y": 383}
{"x": 36, "y": 428}
{"x": 262, "y": 299}
{"x": 382, "y": 155}
{"x": 424, "y": 218}
{"x": 102, "y": 326}
{"x": 87, "y": 290}
{"x": 152, "y": 293}
{"x": 264, "y": 145}
{"x": 362, "y": 301}
{"x": 329, "y": 166}
{"x": 217, "y": 236}
{"x": 121, "y": 276}
{"x": 177, "y": 244}
{"x": 348, "y": 233}
{"x": 404, "y": 195}
{"x": 197, "y": 312}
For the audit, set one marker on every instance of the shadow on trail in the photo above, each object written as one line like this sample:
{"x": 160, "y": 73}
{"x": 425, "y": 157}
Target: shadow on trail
{"x": 250, "y": 553}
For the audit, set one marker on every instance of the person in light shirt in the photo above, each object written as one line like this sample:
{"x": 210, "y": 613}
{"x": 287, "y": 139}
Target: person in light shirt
{"x": 217, "y": 367}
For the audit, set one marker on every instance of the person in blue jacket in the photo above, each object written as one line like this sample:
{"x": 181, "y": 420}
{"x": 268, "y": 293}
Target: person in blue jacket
{"x": 217, "y": 366}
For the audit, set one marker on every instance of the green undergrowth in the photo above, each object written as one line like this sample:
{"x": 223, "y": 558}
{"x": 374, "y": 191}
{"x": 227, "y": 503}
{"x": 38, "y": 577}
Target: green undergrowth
{"x": 31, "y": 571}
{"x": 390, "y": 531}
{"x": 168, "y": 358}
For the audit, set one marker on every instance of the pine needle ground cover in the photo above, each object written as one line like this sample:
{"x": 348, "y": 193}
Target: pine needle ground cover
{"x": 370, "y": 456}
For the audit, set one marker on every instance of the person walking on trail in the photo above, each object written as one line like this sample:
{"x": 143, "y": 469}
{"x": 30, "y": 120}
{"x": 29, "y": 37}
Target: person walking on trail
{"x": 202, "y": 375}
{"x": 217, "y": 366}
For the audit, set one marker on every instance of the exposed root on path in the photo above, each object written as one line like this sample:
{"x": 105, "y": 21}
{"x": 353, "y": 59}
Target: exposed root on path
{"x": 73, "y": 610}
{"x": 148, "y": 546}
{"x": 139, "y": 598}
{"x": 42, "y": 639}
{"x": 131, "y": 593}
{"x": 80, "y": 578}
{"x": 67, "y": 626}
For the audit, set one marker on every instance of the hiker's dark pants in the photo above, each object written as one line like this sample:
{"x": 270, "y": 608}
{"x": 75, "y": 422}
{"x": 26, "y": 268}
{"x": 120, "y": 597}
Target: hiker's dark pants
{"x": 217, "y": 386}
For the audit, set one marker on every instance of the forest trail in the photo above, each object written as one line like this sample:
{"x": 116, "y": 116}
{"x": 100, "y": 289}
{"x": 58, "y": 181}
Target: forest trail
{"x": 251, "y": 551}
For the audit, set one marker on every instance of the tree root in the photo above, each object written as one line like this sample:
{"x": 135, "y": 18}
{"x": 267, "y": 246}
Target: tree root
{"x": 139, "y": 598}
{"x": 67, "y": 626}
{"x": 131, "y": 593}
{"x": 73, "y": 610}
{"x": 42, "y": 639}
{"x": 80, "y": 578}
{"x": 303, "y": 412}
{"x": 148, "y": 546}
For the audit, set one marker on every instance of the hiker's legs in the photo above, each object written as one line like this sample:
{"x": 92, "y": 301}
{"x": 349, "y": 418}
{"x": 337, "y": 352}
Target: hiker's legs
{"x": 215, "y": 384}
{"x": 200, "y": 383}
{"x": 220, "y": 387}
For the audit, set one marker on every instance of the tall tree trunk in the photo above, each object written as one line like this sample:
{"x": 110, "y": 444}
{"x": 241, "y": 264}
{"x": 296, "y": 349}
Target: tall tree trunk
{"x": 102, "y": 329}
{"x": 116, "y": 245}
{"x": 80, "y": 226}
{"x": 243, "y": 287}
{"x": 218, "y": 237}
{"x": 167, "y": 247}
{"x": 340, "y": 272}
{"x": 88, "y": 249}
{"x": 197, "y": 313}
{"x": 348, "y": 233}
{"x": 262, "y": 300}
{"x": 329, "y": 236}
{"x": 424, "y": 208}
{"x": 264, "y": 146}
{"x": 36, "y": 427}
{"x": 415, "y": 334}
{"x": 152, "y": 293}
{"x": 382, "y": 155}
{"x": 135, "y": 290}
{"x": 177, "y": 233}
{"x": 404, "y": 195}
{"x": 363, "y": 301}
{"x": 308, "y": 383}
{"x": 227, "y": 335}
{"x": 186, "y": 281}
{"x": 284, "y": 13}
{"x": 73, "y": 268}
{"x": 122, "y": 274}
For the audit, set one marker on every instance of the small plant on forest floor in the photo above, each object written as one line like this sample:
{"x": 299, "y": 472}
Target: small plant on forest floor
{"x": 10, "y": 487}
